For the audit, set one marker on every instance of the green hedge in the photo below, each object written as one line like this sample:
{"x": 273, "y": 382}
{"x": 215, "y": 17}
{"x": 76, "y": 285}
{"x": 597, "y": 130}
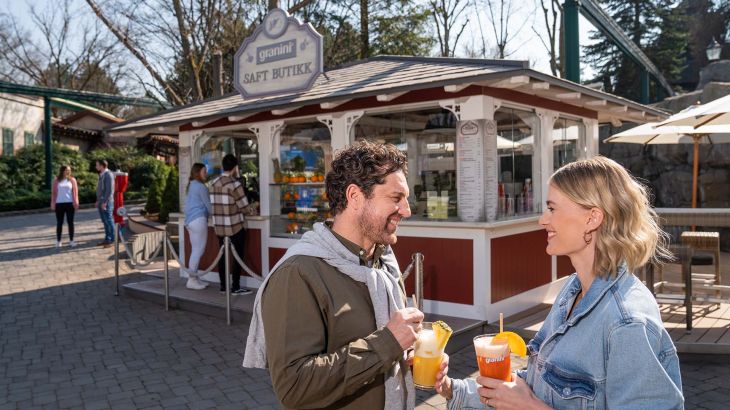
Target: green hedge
{"x": 22, "y": 176}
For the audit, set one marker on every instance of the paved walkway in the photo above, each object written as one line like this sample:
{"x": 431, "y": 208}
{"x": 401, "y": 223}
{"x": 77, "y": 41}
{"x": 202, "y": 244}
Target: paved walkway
{"x": 67, "y": 342}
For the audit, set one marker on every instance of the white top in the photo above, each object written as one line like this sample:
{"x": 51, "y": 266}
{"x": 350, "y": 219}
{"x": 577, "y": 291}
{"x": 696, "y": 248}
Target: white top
{"x": 65, "y": 193}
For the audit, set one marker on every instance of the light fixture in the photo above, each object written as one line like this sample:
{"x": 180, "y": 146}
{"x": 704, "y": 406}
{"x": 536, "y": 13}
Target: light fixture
{"x": 713, "y": 50}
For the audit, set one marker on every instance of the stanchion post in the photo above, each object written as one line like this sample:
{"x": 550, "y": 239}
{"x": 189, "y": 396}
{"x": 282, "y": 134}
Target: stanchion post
{"x": 166, "y": 271}
{"x": 418, "y": 258}
{"x": 226, "y": 254}
{"x": 116, "y": 259}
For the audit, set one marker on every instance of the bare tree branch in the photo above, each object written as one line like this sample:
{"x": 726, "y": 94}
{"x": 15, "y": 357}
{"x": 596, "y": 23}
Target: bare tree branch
{"x": 123, "y": 38}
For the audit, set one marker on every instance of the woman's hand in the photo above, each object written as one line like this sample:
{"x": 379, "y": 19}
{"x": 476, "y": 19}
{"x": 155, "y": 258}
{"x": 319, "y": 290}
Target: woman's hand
{"x": 443, "y": 382}
{"x": 508, "y": 395}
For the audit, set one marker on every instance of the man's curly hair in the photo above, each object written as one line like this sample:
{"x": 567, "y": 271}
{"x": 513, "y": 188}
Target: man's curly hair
{"x": 364, "y": 164}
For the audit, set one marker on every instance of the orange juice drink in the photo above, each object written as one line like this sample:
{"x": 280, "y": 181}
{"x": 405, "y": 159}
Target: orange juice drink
{"x": 429, "y": 353}
{"x": 493, "y": 357}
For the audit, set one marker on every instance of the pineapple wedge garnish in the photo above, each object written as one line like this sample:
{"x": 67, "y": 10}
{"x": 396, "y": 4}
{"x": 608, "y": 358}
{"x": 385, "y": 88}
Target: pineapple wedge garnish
{"x": 443, "y": 332}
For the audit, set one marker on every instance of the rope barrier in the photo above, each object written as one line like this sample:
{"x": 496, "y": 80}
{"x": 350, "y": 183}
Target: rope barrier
{"x": 244, "y": 266}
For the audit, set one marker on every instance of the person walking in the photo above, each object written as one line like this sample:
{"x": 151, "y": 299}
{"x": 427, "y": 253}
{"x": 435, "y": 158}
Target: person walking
{"x": 65, "y": 201}
{"x": 105, "y": 201}
{"x": 197, "y": 209}
{"x": 229, "y": 202}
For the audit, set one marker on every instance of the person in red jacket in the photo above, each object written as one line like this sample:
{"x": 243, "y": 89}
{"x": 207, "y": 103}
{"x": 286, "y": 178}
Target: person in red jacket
{"x": 65, "y": 201}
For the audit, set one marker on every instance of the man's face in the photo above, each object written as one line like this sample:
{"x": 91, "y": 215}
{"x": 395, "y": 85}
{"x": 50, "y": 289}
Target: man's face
{"x": 383, "y": 211}
{"x": 99, "y": 167}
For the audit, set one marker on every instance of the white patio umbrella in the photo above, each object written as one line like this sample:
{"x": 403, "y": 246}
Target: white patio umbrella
{"x": 504, "y": 143}
{"x": 654, "y": 133}
{"x": 714, "y": 113}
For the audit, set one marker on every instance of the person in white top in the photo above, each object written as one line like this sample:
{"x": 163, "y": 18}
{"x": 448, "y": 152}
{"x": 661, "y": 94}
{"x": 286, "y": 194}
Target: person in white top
{"x": 65, "y": 201}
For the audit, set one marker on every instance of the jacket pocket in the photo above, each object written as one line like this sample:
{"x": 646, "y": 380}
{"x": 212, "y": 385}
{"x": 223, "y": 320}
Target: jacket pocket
{"x": 569, "y": 390}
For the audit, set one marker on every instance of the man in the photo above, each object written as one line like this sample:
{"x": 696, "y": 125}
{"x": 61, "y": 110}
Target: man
{"x": 330, "y": 320}
{"x": 229, "y": 202}
{"x": 105, "y": 201}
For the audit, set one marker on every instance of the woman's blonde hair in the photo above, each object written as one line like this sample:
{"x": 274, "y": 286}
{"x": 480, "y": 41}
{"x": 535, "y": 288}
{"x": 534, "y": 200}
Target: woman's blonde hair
{"x": 630, "y": 232}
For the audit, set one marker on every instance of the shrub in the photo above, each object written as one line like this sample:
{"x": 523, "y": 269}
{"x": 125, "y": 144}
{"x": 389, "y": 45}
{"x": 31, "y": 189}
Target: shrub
{"x": 154, "y": 196}
{"x": 146, "y": 172}
{"x": 171, "y": 196}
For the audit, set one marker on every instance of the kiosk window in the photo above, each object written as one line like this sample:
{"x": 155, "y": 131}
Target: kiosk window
{"x": 516, "y": 130}
{"x": 568, "y": 136}
{"x": 210, "y": 150}
{"x": 298, "y": 198}
{"x": 428, "y": 137}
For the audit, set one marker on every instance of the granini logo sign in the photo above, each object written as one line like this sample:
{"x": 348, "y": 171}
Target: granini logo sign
{"x": 283, "y": 55}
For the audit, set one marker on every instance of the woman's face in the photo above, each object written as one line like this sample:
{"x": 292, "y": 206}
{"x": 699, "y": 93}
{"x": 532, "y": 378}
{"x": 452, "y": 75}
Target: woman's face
{"x": 67, "y": 172}
{"x": 566, "y": 223}
{"x": 203, "y": 175}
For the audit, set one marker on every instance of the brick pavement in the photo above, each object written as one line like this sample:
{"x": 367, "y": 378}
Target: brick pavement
{"x": 67, "y": 342}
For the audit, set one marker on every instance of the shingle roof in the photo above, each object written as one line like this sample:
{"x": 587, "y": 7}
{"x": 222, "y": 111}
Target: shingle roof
{"x": 378, "y": 75}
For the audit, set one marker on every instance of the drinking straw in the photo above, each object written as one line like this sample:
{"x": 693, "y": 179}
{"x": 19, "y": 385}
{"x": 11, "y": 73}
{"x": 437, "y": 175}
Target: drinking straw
{"x": 415, "y": 302}
{"x": 501, "y": 322}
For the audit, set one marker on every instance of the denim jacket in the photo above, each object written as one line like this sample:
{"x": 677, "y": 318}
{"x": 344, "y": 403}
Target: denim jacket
{"x": 613, "y": 352}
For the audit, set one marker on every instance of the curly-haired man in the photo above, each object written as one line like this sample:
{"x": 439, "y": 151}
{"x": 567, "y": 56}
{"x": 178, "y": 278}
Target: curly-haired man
{"x": 331, "y": 320}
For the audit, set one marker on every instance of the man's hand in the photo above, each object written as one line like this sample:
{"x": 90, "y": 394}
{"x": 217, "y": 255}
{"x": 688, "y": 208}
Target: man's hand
{"x": 103, "y": 206}
{"x": 405, "y": 325}
{"x": 53, "y": 207}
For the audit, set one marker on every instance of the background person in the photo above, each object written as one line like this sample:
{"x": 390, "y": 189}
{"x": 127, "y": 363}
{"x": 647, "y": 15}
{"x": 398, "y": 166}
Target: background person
{"x": 197, "y": 210}
{"x": 105, "y": 201}
{"x": 65, "y": 201}
{"x": 603, "y": 344}
{"x": 228, "y": 199}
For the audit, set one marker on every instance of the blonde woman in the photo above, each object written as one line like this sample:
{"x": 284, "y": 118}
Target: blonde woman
{"x": 603, "y": 344}
{"x": 197, "y": 209}
{"x": 65, "y": 202}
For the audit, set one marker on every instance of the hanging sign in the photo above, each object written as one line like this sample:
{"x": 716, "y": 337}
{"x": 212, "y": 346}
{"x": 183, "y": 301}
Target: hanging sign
{"x": 283, "y": 55}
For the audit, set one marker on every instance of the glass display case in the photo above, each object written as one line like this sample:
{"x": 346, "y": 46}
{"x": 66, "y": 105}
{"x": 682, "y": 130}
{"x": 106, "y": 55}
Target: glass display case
{"x": 516, "y": 131}
{"x": 298, "y": 196}
{"x": 428, "y": 138}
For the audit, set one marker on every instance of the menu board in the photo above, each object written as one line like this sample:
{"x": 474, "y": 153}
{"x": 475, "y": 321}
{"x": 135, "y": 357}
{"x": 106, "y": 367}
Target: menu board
{"x": 491, "y": 180}
{"x": 470, "y": 171}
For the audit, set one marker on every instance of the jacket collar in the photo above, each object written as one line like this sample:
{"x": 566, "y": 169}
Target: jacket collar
{"x": 595, "y": 294}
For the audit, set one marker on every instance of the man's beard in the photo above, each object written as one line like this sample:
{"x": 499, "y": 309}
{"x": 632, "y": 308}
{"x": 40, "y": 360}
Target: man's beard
{"x": 374, "y": 230}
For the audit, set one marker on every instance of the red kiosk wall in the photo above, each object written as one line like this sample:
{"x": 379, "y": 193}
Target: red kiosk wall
{"x": 448, "y": 267}
{"x": 519, "y": 263}
{"x": 252, "y": 255}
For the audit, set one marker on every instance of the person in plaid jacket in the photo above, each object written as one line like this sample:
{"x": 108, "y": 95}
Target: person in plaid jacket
{"x": 228, "y": 197}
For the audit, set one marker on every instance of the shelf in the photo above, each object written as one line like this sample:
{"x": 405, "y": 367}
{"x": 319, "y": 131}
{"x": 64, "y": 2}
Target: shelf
{"x": 314, "y": 184}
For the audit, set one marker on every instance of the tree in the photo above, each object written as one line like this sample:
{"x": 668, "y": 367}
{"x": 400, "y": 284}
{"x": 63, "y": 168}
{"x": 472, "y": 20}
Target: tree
{"x": 171, "y": 196}
{"x": 447, "y": 17}
{"x": 63, "y": 54}
{"x": 643, "y": 21}
{"x": 499, "y": 14}
{"x": 555, "y": 32}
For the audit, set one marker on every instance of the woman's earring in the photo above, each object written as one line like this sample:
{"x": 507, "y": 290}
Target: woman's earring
{"x": 588, "y": 237}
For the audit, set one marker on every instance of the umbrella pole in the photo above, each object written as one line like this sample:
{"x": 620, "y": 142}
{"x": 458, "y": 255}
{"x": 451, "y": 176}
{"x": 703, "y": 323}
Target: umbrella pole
{"x": 695, "y": 171}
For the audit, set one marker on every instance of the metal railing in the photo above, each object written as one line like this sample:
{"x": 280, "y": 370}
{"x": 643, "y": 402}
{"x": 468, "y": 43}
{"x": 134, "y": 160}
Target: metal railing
{"x": 166, "y": 246}
{"x": 226, "y": 250}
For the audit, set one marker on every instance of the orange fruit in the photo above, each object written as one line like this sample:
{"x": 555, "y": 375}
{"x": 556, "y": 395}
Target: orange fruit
{"x": 285, "y": 179}
{"x": 516, "y": 343}
{"x": 287, "y": 196}
{"x": 291, "y": 215}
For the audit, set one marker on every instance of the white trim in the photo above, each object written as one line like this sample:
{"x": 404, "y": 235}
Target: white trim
{"x": 568, "y": 96}
{"x": 389, "y": 97}
{"x": 511, "y": 82}
{"x": 455, "y": 88}
{"x": 333, "y": 104}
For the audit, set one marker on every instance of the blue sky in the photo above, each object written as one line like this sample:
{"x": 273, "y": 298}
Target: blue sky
{"x": 526, "y": 46}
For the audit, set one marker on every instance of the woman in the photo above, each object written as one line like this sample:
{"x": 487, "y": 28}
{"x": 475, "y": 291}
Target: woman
{"x": 197, "y": 209}
{"x": 603, "y": 344}
{"x": 65, "y": 201}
